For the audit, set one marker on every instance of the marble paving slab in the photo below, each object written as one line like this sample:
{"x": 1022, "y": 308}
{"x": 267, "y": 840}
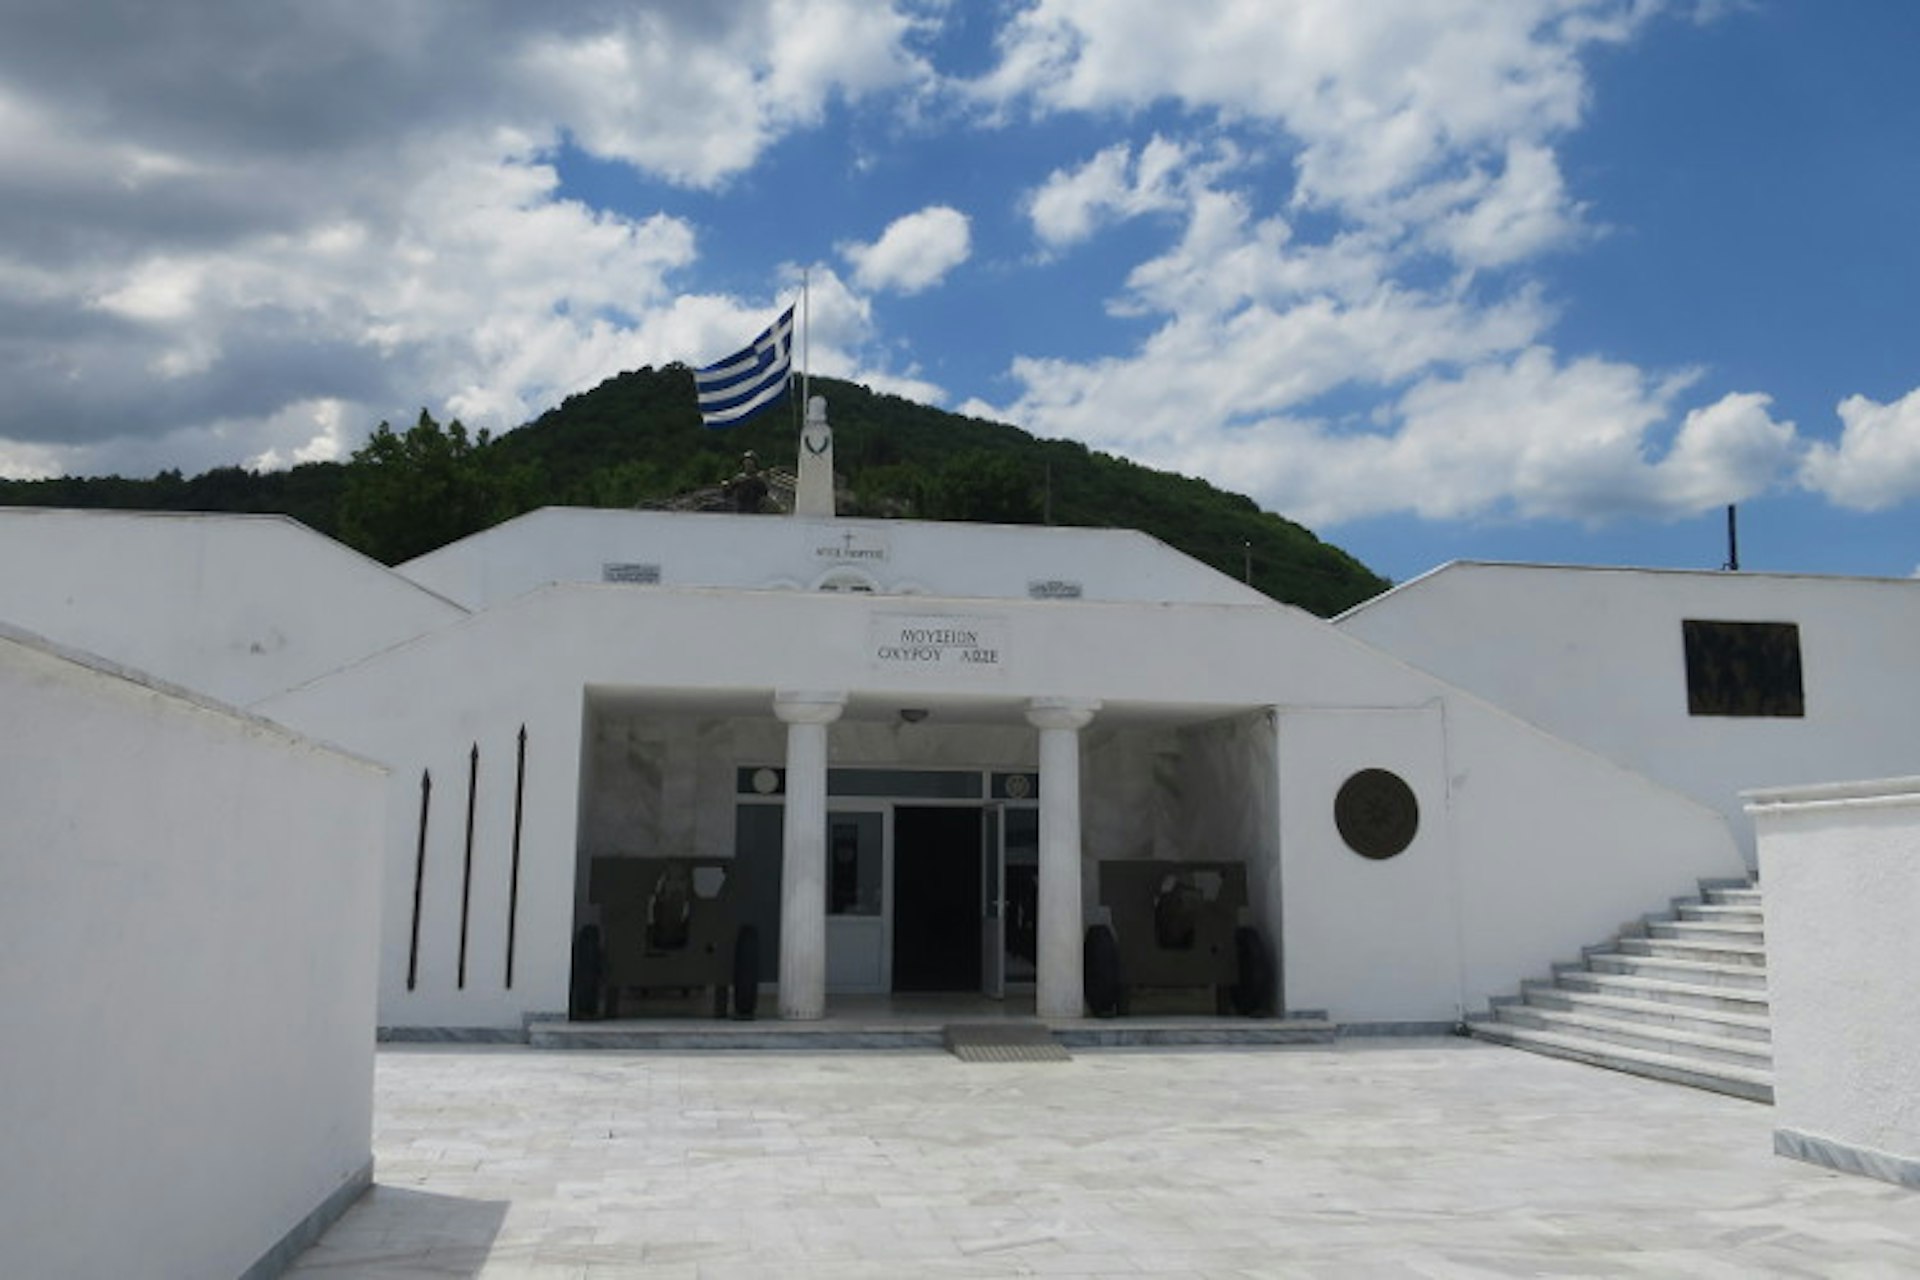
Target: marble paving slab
{"x": 1442, "y": 1158}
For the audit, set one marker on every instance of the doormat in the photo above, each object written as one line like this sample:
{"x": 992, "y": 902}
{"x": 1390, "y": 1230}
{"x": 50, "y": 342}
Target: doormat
{"x": 1003, "y": 1042}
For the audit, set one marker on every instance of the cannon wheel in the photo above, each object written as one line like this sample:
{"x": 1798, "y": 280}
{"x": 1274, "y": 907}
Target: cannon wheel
{"x": 1100, "y": 959}
{"x": 1253, "y": 992}
{"x": 746, "y": 971}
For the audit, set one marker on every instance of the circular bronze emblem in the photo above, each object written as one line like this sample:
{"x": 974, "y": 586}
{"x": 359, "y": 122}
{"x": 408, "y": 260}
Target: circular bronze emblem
{"x": 1376, "y": 813}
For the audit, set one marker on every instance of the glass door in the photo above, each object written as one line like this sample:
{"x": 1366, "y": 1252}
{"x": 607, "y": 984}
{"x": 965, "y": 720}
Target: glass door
{"x": 858, "y": 899}
{"x": 1020, "y": 894}
{"x": 993, "y": 917}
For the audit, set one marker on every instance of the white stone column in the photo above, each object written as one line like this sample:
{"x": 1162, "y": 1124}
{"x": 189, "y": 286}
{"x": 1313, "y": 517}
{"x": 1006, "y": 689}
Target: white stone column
{"x": 803, "y": 853}
{"x": 813, "y": 492}
{"x": 1060, "y": 986}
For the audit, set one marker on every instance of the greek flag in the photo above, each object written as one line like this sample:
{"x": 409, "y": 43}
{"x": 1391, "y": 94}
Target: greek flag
{"x": 734, "y": 389}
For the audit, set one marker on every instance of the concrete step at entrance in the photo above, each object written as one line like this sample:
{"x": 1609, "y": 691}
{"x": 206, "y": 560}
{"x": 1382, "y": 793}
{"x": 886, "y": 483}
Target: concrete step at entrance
{"x": 1612, "y": 1029}
{"x": 1003, "y": 1042}
{"x": 1742, "y": 977}
{"x": 1749, "y": 953}
{"x": 1728, "y": 1024}
{"x": 1682, "y": 996}
{"x": 907, "y": 1031}
{"x": 1740, "y": 1082}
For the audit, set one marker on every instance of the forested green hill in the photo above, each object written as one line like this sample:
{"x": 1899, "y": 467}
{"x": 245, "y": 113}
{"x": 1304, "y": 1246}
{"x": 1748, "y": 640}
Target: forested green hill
{"x": 637, "y": 438}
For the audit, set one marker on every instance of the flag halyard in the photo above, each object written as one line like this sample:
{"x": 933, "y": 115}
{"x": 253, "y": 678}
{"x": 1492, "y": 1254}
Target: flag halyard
{"x": 734, "y": 389}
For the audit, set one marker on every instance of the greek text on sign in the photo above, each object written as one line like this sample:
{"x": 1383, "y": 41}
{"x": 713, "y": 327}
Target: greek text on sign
{"x": 852, "y": 546}
{"x": 948, "y": 643}
{"x": 644, "y": 573}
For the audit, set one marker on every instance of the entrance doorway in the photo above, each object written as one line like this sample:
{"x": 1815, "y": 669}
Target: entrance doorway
{"x": 936, "y": 898}
{"x": 930, "y": 878}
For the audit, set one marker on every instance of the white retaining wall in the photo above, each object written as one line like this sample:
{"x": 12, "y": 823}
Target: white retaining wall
{"x": 231, "y": 606}
{"x": 187, "y": 949}
{"x": 1595, "y": 656}
{"x": 1841, "y": 869}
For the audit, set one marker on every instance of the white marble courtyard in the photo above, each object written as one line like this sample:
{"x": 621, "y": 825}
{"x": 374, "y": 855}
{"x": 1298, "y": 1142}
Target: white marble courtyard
{"x": 1400, "y": 1158}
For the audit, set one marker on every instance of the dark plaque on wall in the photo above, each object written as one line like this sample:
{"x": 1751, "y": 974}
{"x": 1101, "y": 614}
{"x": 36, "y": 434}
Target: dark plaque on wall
{"x": 1376, "y": 813}
{"x": 1743, "y": 668}
{"x": 647, "y": 574}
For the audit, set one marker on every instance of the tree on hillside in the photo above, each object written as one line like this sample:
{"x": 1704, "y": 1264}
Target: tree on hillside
{"x": 637, "y": 438}
{"x": 979, "y": 485}
{"x": 407, "y": 494}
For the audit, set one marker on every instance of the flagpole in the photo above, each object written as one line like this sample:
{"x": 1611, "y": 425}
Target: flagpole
{"x": 806, "y": 339}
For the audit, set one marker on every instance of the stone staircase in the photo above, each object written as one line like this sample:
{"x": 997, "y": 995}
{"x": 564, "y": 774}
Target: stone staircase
{"x": 1681, "y": 996}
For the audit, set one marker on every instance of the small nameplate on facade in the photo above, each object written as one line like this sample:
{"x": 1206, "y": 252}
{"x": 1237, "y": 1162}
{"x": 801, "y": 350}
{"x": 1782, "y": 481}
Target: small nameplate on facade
{"x": 948, "y": 643}
{"x": 852, "y": 546}
{"x": 649, "y": 574}
{"x": 1054, "y": 589}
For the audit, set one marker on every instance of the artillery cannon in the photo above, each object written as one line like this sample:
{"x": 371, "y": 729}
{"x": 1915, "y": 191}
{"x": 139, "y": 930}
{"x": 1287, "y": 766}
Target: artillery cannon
{"x": 1177, "y": 926}
{"x": 671, "y": 924}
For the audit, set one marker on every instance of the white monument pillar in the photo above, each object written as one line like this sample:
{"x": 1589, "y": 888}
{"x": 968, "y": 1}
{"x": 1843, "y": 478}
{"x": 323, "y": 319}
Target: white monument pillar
{"x": 813, "y": 493}
{"x": 1060, "y": 986}
{"x": 803, "y": 853}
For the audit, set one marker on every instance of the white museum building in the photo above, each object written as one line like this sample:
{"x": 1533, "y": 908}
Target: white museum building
{"x": 918, "y": 745}
{"x": 547, "y": 768}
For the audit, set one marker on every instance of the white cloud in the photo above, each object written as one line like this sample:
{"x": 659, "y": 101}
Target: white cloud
{"x": 1706, "y": 12}
{"x": 255, "y": 246}
{"x": 1253, "y": 325}
{"x": 1227, "y": 258}
{"x": 482, "y": 293}
{"x": 1330, "y": 373}
{"x": 914, "y": 253}
{"x": 905, "y": 385}
{"x": 224, "y": 237}
{"x": 1115, "y": 183}
{"x": 1528, "y": 438}
{"x": 1379, "y": 96}
{"x": 28, "y": 461}
{"x": 841, "y": 334}
{"x": 1258, "y": 331}
{"x": 313, "y": 431}
{"x": 1536, "y": 437}
{"x": 697, "y": 92}
{"x": 1732, "y": 450}
{"x": 1876, "y": 462}
{"x": 1518, "y": 215}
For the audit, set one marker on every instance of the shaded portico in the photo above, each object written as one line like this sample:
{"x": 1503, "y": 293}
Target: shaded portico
{"x": 775, "y": 789}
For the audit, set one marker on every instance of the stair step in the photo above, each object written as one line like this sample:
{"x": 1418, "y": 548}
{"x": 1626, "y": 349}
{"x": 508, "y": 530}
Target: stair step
{"x": 1741, "y": 932}
{"x": 1706, "y": 911}
{"x": 1740, "y": 1082}
{"x": 1666, "y": 991}
{"x": 1744, "y": 977}
{"x": 1681, "y": 997}
{"x": 1749, "y": 953}
{"x": 1731, "y": 1025}
{"x": 1615, "y": 1030}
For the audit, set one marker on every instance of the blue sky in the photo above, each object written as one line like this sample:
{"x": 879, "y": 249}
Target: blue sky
{"x": 1536, "y": 280}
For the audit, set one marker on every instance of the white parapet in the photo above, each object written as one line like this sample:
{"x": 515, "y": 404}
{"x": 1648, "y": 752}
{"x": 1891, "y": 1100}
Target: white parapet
{"x": 188, "y": 941}
{"x": 1841, "y": 867}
